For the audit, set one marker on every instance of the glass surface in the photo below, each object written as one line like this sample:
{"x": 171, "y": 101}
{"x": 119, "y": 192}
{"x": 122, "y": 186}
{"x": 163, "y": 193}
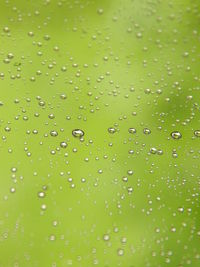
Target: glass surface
{"x": 99, "y": 133}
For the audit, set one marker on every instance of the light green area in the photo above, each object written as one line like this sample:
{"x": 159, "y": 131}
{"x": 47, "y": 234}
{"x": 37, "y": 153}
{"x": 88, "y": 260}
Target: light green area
{"x": 121, "y": 64}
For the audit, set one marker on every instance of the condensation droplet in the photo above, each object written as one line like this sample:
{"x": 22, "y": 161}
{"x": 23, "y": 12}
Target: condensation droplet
{"x": 146, "y": 131}
{"x": 176, "y": 135}
{"x": 111, "y": 130}
{"x": 63, "y": 144}
{"x": 197, "y": 133}
{"x": 54, "y": 133}
{"x": 78, "y": 133}
{"x": 132, "y": 130}
{"x": 41, "y": 194}
{"x": 120, "y": 252}
{"x": 106, "y": 237}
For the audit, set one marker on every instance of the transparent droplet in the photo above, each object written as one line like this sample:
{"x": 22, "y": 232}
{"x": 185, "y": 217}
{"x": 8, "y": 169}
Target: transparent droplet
{"x": 54, "y": 133}
{"x": 41, "y": 194}
{"x": 13, "y": 169}
{"x": 130, "y": 172}
{"x": 100, "y": 11}
{"x": 120, "y": 252}
{"x": 63, "y": 96}
{"x": 52, "y": 238}
{"x": 12, "y": 190}
{"x": 43, "y": 206}
{"x": 51, "y": 116}
{"x": 6, "y": 29}
{"x": 153, "y": 150}
{"x": 197, "y": 133}
{"x": 111, "y": 130}
{"x": 159, "y": 152}
{"x": 132, "y": 130}
{"x": 63, "y": 144}
{"x": 125, "y": 179}
{"x": 146, "y": 131}
{"x": 31, "y": 34}
{"x": 41, "y": 103}
{"x": 106, "y": 237}
{"x": 7, "y": 129}
{"x": 78, "y": 133}
{"x": 176, "y": 135}
{"x": 130, "y": 190}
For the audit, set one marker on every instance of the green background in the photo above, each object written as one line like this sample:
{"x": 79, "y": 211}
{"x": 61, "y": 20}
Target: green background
{"x": 121, "y": 64}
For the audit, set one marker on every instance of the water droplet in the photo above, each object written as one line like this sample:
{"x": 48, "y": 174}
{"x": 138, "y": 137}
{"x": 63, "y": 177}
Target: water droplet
{"x": 52, "y": 238}
{"x": 111, "y": 130}
{"x": 53, "y": 133}
{"x": 41, "y": 194}
{"x": 130, "y": 172}
{"x": 124, "y": 240}
{"x": 6, "y": 29}
{"x": 78, "y": 133}
{"x": 197, "y": 133}
{"x": 120, "y": 252}
{"x": 153, "y": 150}
{"x": 106, "y": 237}
{"x": 100, "y": 11}
{"x": 132, "y": 130}
{"x": 125, "y": 179}
{"x": 63, "y": 96}
{"x": 51, "y": 116}
{"x": 12, "y": 190}
{"x": 176, "y": 135}
{"x": 31, "y": 34}
{"x": 130, "y": 190}
{"x": 146, "y": 131}
{"x": 13, "y": 169}
{"x": 43, "y": 206}
{"x": 63, "y": 144}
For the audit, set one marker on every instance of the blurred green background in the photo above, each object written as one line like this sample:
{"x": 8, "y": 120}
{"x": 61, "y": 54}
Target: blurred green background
{"x": 107, "y": 199}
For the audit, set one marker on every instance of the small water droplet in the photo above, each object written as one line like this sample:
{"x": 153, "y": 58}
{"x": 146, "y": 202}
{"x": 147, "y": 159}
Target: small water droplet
{"x": 53, "y": 133}
{"x": 120, "y": 252}
{"x": 78, "y": 133}
{"x": 63, "y": 144}
{"x": 197, "y": 133}
{"x": 132, "y": 130}
{"x": 146, "y": 131}
{"x": 106, "y": 237}
{"x": 111, "y": 130}
{"x": 176, "y": 135}
{"x": 41, "y": 194}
